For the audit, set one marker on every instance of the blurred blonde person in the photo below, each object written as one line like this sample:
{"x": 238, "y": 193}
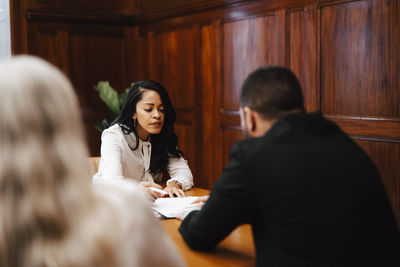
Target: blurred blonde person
{"x": 50, "y": 215}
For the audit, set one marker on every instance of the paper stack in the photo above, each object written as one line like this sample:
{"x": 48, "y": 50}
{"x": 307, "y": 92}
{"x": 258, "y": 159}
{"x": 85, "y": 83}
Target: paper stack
{"x": 171, "y": 207}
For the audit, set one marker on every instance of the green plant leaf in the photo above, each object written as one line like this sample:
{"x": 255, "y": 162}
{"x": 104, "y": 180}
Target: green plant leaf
{"x": 101, "y": 125}
{"x": 112, "y": 99}
{"x": 109, "y": 96}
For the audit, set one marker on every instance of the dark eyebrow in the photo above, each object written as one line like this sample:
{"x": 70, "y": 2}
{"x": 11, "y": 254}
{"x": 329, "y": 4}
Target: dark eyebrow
{"x": 151, "y": 104}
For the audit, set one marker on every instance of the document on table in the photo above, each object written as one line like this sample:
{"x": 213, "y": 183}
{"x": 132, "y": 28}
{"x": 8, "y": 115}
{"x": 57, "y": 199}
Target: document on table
{"x": 171, "y": 207}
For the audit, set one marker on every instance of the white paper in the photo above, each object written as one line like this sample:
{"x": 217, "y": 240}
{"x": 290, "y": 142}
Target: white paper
{"x": 171, "y": 207}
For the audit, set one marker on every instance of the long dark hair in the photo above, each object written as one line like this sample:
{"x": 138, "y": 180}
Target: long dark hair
{"x": 163, "y": 145}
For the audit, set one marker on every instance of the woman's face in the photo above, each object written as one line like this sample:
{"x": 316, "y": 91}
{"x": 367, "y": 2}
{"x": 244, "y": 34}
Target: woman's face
{"x": 150, "y": 114}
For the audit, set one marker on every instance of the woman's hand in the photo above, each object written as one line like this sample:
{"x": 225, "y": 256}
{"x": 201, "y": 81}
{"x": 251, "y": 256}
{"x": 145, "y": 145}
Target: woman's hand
{"x": 174, "y": 187}
{"x": 153, "y": 194}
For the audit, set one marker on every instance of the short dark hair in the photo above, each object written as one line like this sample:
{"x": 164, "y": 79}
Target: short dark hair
{"x": 165, "y": 144}
{"x": 272, "y": 92}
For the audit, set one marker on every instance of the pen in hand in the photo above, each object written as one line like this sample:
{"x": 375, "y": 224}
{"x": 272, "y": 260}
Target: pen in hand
{"x": 158, "y": 190}
{"x": 152, "y": 189}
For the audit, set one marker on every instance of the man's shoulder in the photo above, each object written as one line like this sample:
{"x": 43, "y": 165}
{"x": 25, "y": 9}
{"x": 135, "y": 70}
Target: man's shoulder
{"x": 250, "y": 147}
{"x": 293, "y": 131}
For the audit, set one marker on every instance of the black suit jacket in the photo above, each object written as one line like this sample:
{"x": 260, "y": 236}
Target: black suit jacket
{"x": 311, "y": 194}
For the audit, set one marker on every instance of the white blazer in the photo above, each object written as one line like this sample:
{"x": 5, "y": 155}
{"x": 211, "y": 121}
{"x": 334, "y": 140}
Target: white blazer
{"x": 119, "y": 161}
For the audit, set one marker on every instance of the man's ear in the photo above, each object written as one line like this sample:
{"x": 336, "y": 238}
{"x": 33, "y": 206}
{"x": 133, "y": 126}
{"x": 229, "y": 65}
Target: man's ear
{"x": 250, "y": 120}
{"x": 134, "y": 116}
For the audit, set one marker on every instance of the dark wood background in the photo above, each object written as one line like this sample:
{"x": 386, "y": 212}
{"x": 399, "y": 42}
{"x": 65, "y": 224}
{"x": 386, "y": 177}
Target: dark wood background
{"x": 346, "y": 54}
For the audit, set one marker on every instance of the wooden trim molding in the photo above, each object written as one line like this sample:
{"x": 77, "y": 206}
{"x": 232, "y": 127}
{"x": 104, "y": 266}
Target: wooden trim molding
{"x": 33, "y": 15}
{"x": 376, "y": 129}
{"x": 360, "y": 118}
{"x": 185, "y": 9}
{"x": 376, "y": 139}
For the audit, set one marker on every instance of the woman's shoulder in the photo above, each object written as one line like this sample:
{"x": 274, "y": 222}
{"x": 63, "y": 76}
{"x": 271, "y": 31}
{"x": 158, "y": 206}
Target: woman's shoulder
{"x": 119, "y": 197}
{"x": 121, "y": 192}
{"x": 114, "y": 132}
{"x": 115, "y": 128}
{"x": 135, "y": 228}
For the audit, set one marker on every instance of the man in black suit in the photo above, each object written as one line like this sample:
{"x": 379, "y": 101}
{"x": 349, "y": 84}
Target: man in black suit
{"x": 312, "y": 196}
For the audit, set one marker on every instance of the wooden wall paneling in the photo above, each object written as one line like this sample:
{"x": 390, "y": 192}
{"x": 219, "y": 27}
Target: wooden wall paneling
{"x": 248, "y": 44}
{"x": 178, "y": 68}
{"x": 224, "y": 13}
{"x": 96, "y": 57}
{"x": 51, "y": 45}
{"x": 159, "y": 8}
{"x": 359, "y": 67}
{"x": 185, "y": 132}
{"x": 206, "y": 11}
{"x": 43, "y": 43}
{"x": 211, "y": 118}
{"x": 18, "y": 27}
{"x": 230, "y": 136}
{"x": 231, "y": 132}
{"x": 302, "y": 51}
{"x": 197, "y": 105}
{"x": 385, "y": 29}
{"x": 62, "y": 43}
{"x": 152, "y": 55}
{"x": 386, "y": 156}
{"x": 344, "y": 56}
{"x": 173, "y": 61}
{"x": 137, "y": 54}
{"x": 378, "y": 128}
{"x": 172, "y": 53}
{"x": 359, "y": 53}
{"x": 87, "y": 54}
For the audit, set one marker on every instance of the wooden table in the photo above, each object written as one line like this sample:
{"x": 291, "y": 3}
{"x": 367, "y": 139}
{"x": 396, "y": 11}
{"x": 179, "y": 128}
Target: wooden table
{"x": 236, "y": 250}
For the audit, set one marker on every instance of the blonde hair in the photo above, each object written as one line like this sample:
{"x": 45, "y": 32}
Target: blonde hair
{"x": 46, "y": 201}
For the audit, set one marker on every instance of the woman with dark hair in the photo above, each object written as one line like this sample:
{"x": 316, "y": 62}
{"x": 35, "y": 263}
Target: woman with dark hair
{"x": 141, "y": 143}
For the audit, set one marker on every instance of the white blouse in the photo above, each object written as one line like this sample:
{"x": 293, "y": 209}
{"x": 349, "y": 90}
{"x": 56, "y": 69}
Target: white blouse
{"x": 119, "y": 161}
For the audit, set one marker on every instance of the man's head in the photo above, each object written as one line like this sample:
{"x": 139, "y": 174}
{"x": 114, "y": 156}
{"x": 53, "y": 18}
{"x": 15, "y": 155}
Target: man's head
{"x": 268, "y": 93}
